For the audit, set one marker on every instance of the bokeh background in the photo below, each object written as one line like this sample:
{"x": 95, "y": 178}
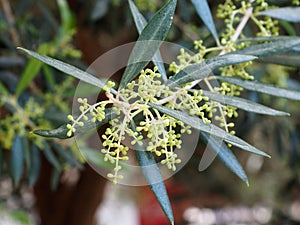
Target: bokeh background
{"x": 56, "y": 188}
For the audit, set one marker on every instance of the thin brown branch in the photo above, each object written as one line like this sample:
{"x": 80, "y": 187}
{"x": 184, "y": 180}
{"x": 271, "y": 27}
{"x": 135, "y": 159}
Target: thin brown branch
{"x": 11, "y": 22}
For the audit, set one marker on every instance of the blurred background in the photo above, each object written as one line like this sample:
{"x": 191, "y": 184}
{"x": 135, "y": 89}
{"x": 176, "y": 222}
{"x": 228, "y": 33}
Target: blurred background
{"x": 46, "y": 181}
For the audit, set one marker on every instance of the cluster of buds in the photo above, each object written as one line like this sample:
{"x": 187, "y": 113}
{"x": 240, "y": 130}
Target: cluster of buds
{"x": 159, "y": 133}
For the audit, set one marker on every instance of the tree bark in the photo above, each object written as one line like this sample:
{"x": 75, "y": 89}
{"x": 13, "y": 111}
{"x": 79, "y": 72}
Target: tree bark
{"x": 68, "y": 204}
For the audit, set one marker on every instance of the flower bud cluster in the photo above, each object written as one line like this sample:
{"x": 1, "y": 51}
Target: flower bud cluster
{"x": 114, "y": 151}
{"x": 159, "y": 133}
{"x": 232, "y": 12}
{"x": 20, "y": 121}
{"x": 89, "y": 112}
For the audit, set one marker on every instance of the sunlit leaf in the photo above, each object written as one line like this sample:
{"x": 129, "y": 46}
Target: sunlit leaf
{"x": 211, "y": 129}
{"x": 243, "y": 104}
{"x": 204, "y": 12}
{"x": 3, "y": 89}
{"x": 263, "y": 88}
{"x": 226, "y": 155}
{"x": 291, "y": 14}
{"x": 67, "y": 18}
{"x": 149, "y": 42}
{"x": 140, "y": 23}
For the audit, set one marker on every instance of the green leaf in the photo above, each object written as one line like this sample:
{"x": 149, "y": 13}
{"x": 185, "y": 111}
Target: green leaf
{"x": 148, "y": 42}
{"x": 243, "y": 104}
{"x": 2, "y": 161}
{"x": 66, "y": 68}
{"x": 66, "y": 154}
{"x": 51, "y": 157}
{"x": 262, "y": 88}
{"x": 31, "y": 70}
{"x": 27, "y": 153}
{"x": 95, "y": 157}
{"x": 49, "y": 78}
{"x": 35, "y": 167}
{"x": 203, "y": 69}
{"x": 17, "y": 160}
{"x": 261, "y": 50}
{"x": 85, "y": 90}
{"x": 204, "y": 12}
{"x": 198, "y": 124}
{"x": 226, "y": 155}
{"x": 291, "y": 14}
{"x": 154, "y": 179}
{"x": 140, "y": 23}
{"x": 282, "y": 59}
{"x": 264, "y": 39}
{"x": 3, "y": 89}
{"x": 61, "y": 132}
{"x": 68, "y": 21}
{"x": 55, "y": 177}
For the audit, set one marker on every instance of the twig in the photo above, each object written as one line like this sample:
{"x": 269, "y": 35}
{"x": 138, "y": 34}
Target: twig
{"x": 11, "y": 22}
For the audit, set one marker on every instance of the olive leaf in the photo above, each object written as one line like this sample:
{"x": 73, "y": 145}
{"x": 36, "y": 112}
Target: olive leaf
{"x": 213, "y": 130}
{"x": 226, "y": 155}
{"x": 204, "y": 12}
{"x": 262, "y": 88}
{"x": 140, "y": 23}
{"x": 149, "y": 42}
{"x": 153, "y": 177}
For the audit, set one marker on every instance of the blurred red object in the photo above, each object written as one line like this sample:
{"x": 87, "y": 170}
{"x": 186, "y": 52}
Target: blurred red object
{"x": 151, "y": 212}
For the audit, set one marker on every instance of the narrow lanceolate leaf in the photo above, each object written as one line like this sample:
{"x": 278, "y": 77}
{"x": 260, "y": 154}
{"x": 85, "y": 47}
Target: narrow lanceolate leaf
{"x": 2, "y": 161}
{"x": 140, "y": 23}
{"x": 95, "y": 157}
{"x": 263, "y": 88}
{"x": 154, "y": 179}
{"x": 17, "y": 160}
{"x": 203, "y": 69}
{"x": 3, "y": 89}
{"x": 61, "y": 132}
{"x": 243, "y": 104}
{"x": 262, "y": 39}
{"x": 226, "y": 155}
{"x": 275, "y": 47}
{"x": 283, "y": 59}
{"x": 31, "y": 71}
{"x": 55, "y": 177}
{"x": 35, "y": 166}
{"x": 66, "y": 68}
{"x": 66, "y": 154}
{"x": 51, "y": 157}
{"x": 204, "y": 12}
{"x": 211, "y": 129}
{"x": 149, "y": 42}
{"x": 291, "y": 14}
